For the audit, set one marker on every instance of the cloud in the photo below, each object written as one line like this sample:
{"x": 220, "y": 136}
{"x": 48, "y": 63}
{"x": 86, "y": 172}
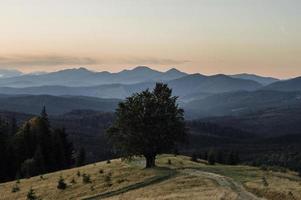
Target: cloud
{"x": 44, "y": 60}
{"x": 55, "y": 62}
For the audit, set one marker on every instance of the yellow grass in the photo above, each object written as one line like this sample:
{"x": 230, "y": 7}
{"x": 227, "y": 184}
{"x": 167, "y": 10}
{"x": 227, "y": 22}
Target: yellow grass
{"x": 182, "y": 179}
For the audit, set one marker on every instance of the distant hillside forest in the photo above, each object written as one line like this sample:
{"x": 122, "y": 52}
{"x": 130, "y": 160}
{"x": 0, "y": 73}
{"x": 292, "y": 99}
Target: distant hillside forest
{"x": 81, "y": 137}
{"x": 34, "y": 148}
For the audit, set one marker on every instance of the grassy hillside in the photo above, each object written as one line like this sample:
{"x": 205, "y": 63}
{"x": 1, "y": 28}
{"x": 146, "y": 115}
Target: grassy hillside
{"x": 174, "y": 178}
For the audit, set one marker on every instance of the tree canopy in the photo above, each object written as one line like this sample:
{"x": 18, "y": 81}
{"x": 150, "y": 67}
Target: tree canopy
{"x": 148, "y": 123}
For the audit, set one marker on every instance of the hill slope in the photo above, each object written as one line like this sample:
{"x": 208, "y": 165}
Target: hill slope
{"x": 181, "y": 179}
{"x": 288, "y": 85}
{"x": 55, "y": 104}
{"x": 260, "y": 79}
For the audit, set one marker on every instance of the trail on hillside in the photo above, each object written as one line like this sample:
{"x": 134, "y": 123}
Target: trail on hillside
{"x": 242, "y": 193}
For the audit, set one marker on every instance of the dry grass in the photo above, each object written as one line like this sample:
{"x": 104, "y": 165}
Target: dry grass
{"x": 183, "y": 185}
{"x": 122, "y": 175}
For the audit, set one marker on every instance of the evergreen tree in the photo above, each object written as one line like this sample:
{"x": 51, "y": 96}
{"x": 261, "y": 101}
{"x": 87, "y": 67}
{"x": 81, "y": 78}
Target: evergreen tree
{"x": 233, "y": 158}
{"x": 14, "y": 126}
{"x": 211, "y": 157}
{"x": 220, "y": 157}
{"x": 39, "y": 161}
{"x": 28, "y": 168}
{"x": 81, "y": 157}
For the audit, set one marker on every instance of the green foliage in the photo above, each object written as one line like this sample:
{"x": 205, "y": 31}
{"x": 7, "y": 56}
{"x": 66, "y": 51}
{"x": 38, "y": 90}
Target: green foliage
{"x": 211, "y": 157}
{"x": 108, "y": 180}
{"x": 61, "y": 184}
{"x": 108, "y": 161}
{"x": 78, "y": 173}
{"x": 233, "y": 158}
{"x": 28, "y": 168}
{"x": 86, "y": 178}
{"x": 265, "y": 182}
{"x": 81, "y": 157}
{"x": 34, "y": 149}
{"x": 148, "y": 123}
{"x": 194, "y": 157}
{"x": 15, "y": 188}
{"x": 31, "y": 195}
{"x": 73, "y": 181}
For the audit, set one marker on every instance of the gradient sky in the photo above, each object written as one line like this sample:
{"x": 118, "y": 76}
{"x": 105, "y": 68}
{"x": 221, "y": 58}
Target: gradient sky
{"x": 205, "y": 36}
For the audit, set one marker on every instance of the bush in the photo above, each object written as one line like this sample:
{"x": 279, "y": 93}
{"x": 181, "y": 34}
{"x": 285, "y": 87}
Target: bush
{"x": 265, "y": 182}
{"x": 61, "y": 184}
{"x": 108, "y": 179}
{"x": 169, "y": 162}
{"x": 100, "y": 171}
{"x": 194, "y": 157}
{"x": 78, "y": 173}
{"x": 31, "y": 195}
{"x": 86, "y": 178}
{"x": 73, "y": 181}
{"x": 264, "y": 167}
{"x": 108, "y": 161}
{"x": 15, "y": 188}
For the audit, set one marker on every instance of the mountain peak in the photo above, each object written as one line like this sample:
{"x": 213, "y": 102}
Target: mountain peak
{"x": 142, "y": 68}
{"x": 174, "y": 70}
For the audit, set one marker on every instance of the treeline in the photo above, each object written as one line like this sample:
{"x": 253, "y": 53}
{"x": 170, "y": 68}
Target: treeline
{"x": 34, "y": 148}
{"x": 218, "y": 156}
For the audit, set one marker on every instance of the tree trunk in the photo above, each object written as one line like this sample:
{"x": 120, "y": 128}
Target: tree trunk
{"x": 150, "y": 161}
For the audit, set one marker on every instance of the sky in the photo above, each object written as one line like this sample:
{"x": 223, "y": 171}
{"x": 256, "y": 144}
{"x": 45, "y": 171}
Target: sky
{"x": 196, "y": 36}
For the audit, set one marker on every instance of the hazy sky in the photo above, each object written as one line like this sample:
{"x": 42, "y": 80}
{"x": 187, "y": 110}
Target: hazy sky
{"x": 205, "y": 36}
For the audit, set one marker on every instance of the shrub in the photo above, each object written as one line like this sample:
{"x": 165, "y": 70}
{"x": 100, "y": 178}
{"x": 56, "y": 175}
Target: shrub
{"x": 78, "y": 173}
{"x": 86, "y": 178}
{"x": 121, "y": 180}
{"x": 100, "y": 171}
{"x": 15, "y": 188}
{"x": 108, "y": 161}
{"x": 108, "y": 180}
{"x": 265, "y": 182}
{"x": 73, "y": 181}
{"x": 169, "y": 162}
{"x": 194, "y": 157}
{"x": 61, "y": 184}
{"x": 31, "y": 195}
{"x": 264, "y": 167}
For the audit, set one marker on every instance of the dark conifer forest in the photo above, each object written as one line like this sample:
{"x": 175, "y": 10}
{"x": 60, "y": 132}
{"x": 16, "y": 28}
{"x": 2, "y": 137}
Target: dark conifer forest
{"x": 33, "y": 148}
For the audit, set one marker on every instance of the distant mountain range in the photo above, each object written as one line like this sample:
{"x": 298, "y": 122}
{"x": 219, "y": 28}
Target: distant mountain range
{"x": 7, "y": 73}
{"x": 260, "y": 79}
{"x": 199, "y": 86}
{"x": 287, "y": 85}
{"x": 84, "y": 77}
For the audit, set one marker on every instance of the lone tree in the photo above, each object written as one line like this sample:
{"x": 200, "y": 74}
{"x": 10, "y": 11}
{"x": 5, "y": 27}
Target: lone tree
{"x": 147, "y": 124}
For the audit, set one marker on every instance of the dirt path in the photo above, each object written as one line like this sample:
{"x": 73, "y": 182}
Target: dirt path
{"x": 242, "y": 193}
